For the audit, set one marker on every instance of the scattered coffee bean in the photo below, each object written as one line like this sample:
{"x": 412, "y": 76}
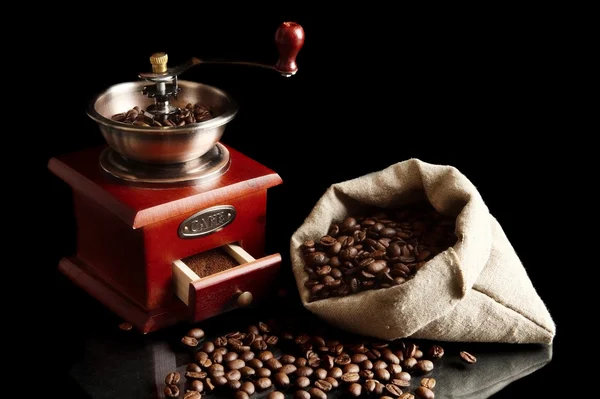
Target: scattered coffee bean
{"x": 350, "y": 377}
{"x": 191, "y": 375}
{"x": 334, "y": 383}
{"x": 435, "y": 352}
{"x": 193, "y": 367}
{"x": 393, "y": 390}
{"x": 189, "y": 341}
{"x": 380, "y": 251}
{"x": 236, "y": 364}
{"x": 208, "y": 347}
{"x": 425, "y": 393}
{"x": 263, "y": 383}
{"x": 181, "y": 116}
{"x": 263, "y": 372}
{"x": 428, "y": 383}
{"x": 316, "y": 393}
{"x": 304, "y": 371}
{"x": 197, "y": 385}
{"x": 233, "y": 375}
{"x": 248, "y": 387}
{"x": 281, "y": 380}
{"x": 197, "y": 333}
{"x": 172, "y": 378}
{"x": 400, "y": 383}
{"x": 467, "y": 357}
{"x": 418, "y": 354}
{"x": 287, "y": 359}
{"x": 406, "y": 395}
{"x": 424, "y": 366}
{"x": 409, "y": 363}
{"x": 255, "y": 363}
{"x": 301, "y": 395}
{"x": 403, "y": 376}
{"x": 275, "y": 395}
{"x": 191, "y": 395}
{"x": 125, "y": 326}
{"x": 241, "y": 395}
{"x": 171, "y": 391}
{"x": 355, "y": 390}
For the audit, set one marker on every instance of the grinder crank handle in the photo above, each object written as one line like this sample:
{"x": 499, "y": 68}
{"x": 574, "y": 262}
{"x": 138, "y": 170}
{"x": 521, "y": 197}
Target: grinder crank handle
{"x": 289, "y": 39}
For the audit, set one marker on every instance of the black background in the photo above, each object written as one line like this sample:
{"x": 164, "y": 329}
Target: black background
{"x": 484, "y": 94}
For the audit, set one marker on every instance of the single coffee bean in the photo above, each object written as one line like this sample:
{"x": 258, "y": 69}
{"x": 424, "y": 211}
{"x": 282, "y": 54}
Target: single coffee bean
{"x": 300, "y": 362}
{"x": 334, "y": 383}
{"x": 320, "y": 374}
{"x": 245, "y": 356}
{"x": 196, "y": 333}
{"x": 193, "y": 367}
{"x": 467, "y": 357}
{"x": 410, "y": 350}
{"x": 368, "y": 374}
{"x": 324, "y": 385}
{"x": 287, "y": 359}
{"x": 287, "y": 369}
{"x": 435, "y": 352}
{"x": 379, "y": 388}
{"x": 229, "y": 356}
{"x": 234, "y": 385}
{"x": 428, "y": 383}
{"x": 233, "y": 375}
{"x": 255, "y": 363}
{"x": 366, "y": 365}
{"x": 424, "y": 366}
{"x": 351, "y": 368}
{"x": 273, "y": 364}
{"x": 236, "y": 364}
{"x": 191, "y": 395}
{"x": 302, "y": 382}
{"x": 418, "y": 354}
{"x": 343, "y": 360}
{"x": 335, "y": 372}
{"x": 275, "y": 395}
{"x": 220, "y": 380}
{"x": 197, "y": 385}
{"x": 409, "y": 363}
{"x": 189, "y": 341}
{"x": 301, "y": 395}
{"x": 263, "y": 372}
{"x": 358, "y": 358}
{"x": 248, "y": 387}
{"x": 216, "y": 369}
{"x": 407, "y": 395}
{"x": 379, "y": 364}
{"x": 316, "y": 393}
{"x": 208, "y": 347}
{"x": 350, "y": 377}
{"x": 241, "y": 395}
{"x": 394, "y": 369}
{"x": 403, "y": 376}
{"x": 247, "y": 372}
{"x": 382, "y": 375}
{"x": 172, "y": 378}
{"x": 265, "y": 355}
{"x": 209, "y": 385}
{"x": 263, "y": 383}
{"x": 217, "y": 357}
{"x": 385, "y": 397}
{"x": 304, "y": 371}
{"x": 281, "y": 380}
{"x": 355, "y": 390}
{"x": 370, "y": 385}
{"x": 390, "y": 358}
{"x": 191, "y": 375}
{"x": 425, "y": 393}
{"x": 199, "y": 356}
{"x": 171, "y": 391}
{"x": 393, "y": 390}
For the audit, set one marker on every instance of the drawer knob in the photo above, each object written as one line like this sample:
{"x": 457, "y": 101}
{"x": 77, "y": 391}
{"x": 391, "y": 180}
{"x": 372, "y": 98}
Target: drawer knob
{"x": 244, "y": 299}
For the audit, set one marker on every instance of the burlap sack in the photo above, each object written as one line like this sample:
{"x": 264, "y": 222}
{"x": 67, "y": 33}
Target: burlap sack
{"x": 476, "y": 291}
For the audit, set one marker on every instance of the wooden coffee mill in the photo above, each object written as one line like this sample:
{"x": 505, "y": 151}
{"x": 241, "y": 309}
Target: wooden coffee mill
{"x": 157, "y": 200}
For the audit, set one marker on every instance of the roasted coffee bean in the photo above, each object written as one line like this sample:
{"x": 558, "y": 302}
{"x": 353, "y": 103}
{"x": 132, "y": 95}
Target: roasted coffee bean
{"x": 320, "y": 374}
{"x": 328, "y": 362}
{"x": 192, "y": 395}
{"x": 287, "y": 369}
{"x": 410, "y": 350}
{"x": 272, "y": 340}
{"x": 200, "y": 356}
{"x": 265, "y": 355}
{"x": 334, "y": 383}
{"x": 350, "y": 377}
{"x": 236, "y": 364}
{"x": 373, "y": 354}
{"x": 424, "y": 366}
{"x": 247, "y": 387}
{"x": 233, "y": 375}
{"x": 245, "y": 356}
{"x": 382, "y": 374}
{"x": 209, "y": 385}
{"x": 171, "y": 391}
{"x": 208, "y": 347}
{"x": 435, "y": 352}
{"x": 370, "y": 385}
{"x": 192, "y": 375}
{"x": 223, "y": 351}
{"x": 323, "y": 385}
{"x": 255, "y": 363}
{"x": 216, "y": 369}
{"x": 351, "y": 368}
{"x": 428, "y": 383}
{"x": 393, "y": 390}
{"x": 234, "y": 385}
{"x": 273, "y": 364}
{"x": 390, "y": 358}
{"x": 343, "y": 360}
{"x": 281, "y": 380}
{"x": 197, "y": 333}
{"x": 385, "y": 397}
{"x": 300, "y": 362}
{"x": 379, "y": 388}
{"x": 302, "y": 382}
{"x": 287, "y": 359}
{"x": 220, "y": 380}
{"x": 197, "y": 385}
{"x": 217, "y": 357}
{"x": 335, "y": 372}
{"x": 229, "y": 356}
{"x": 403, "y": 376}
{"x": 263, "y": 372}
{"x": 367, "y": 374}
{"x": 358, "y": 358}
{"x": 263, "y": 383}
{"x": 355, "y": 390}
{"x": 406, "y": 395}
{"x": 400, "y": 383}
{"x": 409, "y": 363}
{"x": 467, "y": 357}
{"x": 275, "y": 395}
{"x": 316, "y": 393}
{"x": 379, "y": 364}
{"x": 189, "y": 341}
{"x": 394, "y": 369}
{"x": 425, "y": 393}
{"x": 314, "y": 361}
{"x": 304, "y": 371}
{"x": 366, "y": 365}
{"x": 172, "y": 378}
{"x": 247, "y": 371}
{"x": 241, "y": 395}
{"x": 193, "y": 367}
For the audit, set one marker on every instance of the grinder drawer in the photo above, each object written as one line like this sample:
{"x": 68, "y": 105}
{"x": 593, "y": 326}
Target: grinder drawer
{"x": 223, "y": 279}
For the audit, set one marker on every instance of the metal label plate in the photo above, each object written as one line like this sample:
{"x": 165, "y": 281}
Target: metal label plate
{"x": 207, "y": 221}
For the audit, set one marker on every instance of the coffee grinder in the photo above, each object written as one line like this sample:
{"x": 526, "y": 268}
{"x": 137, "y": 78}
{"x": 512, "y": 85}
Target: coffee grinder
{"x": 171, "y": 222}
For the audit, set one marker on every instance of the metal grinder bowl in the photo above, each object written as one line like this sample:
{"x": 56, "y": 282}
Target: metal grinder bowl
{"x": 162, "y": 145}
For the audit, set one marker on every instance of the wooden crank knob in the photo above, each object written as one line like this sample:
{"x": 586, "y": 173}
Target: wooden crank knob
{"x": 289, "y": 39}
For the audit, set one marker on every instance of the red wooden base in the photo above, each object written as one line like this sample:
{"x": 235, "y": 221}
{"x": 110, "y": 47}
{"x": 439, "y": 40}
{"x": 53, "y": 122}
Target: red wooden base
{"x": 142, "y": 320}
